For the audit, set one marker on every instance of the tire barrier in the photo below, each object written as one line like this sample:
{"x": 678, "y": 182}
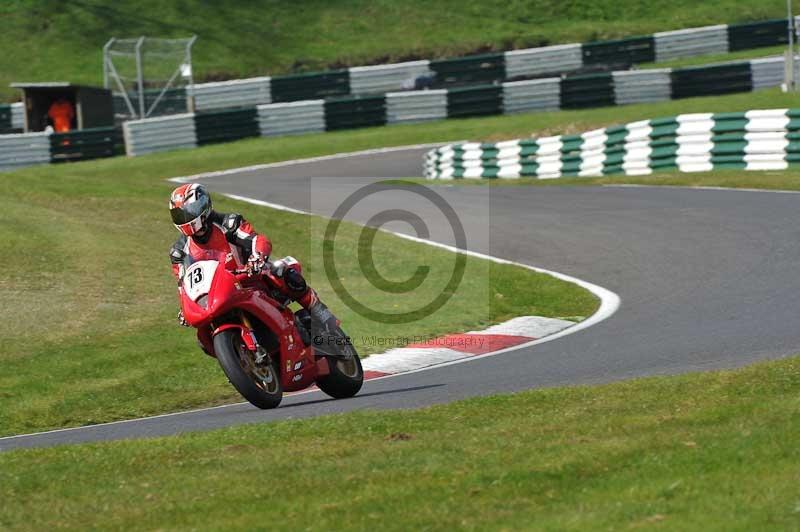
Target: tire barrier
{"x": 416, "y": 106}
{"x": 293, "y": 118}
{"x": 238, "y": 93}
{"x": 548, "y": 94}
{"x": 5, "y": 119}
{"x": 160, "y": 134}
{"x": 487, "y": 68}
{"x": 12, "y": 119}
{"x": 20, "y": 150}
{"x": 752, "y": 140}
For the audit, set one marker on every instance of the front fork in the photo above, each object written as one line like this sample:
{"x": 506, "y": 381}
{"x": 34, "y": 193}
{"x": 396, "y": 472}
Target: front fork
{"x": 252, "y": 345}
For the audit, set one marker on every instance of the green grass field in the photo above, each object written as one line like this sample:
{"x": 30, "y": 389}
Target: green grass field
{"x": 710, "y": 451}
{"x": 48, "y": 40}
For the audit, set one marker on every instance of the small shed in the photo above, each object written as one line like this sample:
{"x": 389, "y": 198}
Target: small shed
{"x": 93, "y": 106}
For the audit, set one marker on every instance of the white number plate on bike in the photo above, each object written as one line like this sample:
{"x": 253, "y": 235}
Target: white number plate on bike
{"x": 197, "y": 279}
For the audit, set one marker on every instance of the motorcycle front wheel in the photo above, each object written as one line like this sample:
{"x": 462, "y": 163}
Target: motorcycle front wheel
{"x": 258, "y": 383}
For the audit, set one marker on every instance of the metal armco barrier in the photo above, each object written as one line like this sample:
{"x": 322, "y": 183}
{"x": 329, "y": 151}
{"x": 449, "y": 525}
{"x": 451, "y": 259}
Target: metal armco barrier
{"x": 753, "y": 140}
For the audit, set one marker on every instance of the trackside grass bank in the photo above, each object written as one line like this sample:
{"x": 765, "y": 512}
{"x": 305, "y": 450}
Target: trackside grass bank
{"x": 88, "y": 318}
{"x": 264, "y": 37}
{"x": 710, "y": 451}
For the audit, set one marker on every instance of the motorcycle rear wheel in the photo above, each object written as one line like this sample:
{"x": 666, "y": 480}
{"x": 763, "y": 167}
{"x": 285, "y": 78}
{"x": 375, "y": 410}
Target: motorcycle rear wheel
{"x": 346, "y": 375}
{"x": 260, "y": 385}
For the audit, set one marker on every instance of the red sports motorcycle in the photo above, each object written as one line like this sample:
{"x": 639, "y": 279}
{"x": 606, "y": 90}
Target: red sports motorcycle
{"x": 243, "y": 320}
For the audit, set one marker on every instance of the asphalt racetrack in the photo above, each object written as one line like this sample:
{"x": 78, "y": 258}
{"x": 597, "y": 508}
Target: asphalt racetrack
{"x": 707, "y": 279}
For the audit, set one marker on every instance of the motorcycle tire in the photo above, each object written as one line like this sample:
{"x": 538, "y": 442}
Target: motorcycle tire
{"x": 238, "y": 364}
{"x": 345, "y": 377}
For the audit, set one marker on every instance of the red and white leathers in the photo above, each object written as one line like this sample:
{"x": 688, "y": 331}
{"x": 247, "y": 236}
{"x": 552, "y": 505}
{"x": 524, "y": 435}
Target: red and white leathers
{"x": 232, "y": 234}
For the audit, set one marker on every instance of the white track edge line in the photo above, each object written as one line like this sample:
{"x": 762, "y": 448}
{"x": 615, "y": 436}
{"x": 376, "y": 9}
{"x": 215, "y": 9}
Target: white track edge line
{"x": 609, "y": 303}
{"x": 690, "y": 187}
{"x": 293, "y": 162}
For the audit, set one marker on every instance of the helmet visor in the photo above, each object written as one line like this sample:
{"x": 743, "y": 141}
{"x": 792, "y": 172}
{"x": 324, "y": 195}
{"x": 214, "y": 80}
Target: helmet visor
{"x": 189, "y": 211}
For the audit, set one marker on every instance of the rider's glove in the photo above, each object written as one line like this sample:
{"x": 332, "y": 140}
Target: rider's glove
{"x": 256, "y": 263}
{"x": 181, "y": 320}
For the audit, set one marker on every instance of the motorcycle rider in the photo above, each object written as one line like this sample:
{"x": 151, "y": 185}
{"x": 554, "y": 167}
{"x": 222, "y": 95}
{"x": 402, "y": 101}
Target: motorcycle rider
{"x": 203, "y": 228}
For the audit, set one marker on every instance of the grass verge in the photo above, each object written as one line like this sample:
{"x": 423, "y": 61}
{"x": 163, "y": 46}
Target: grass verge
{"x": 709, "y": 451}
{"x": 46, "y": 40}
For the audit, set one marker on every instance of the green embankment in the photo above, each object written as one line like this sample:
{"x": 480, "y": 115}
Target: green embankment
{"x": 710, "y": 451}
{"x": 46, "y": 40}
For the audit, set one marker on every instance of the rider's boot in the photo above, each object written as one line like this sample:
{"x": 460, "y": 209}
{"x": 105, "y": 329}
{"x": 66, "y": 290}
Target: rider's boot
{"x": 322, "y": 315}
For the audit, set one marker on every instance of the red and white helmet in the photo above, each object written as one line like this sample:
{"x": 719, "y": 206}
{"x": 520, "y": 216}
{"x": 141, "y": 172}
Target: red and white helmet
{"x": 190, "y": 207}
